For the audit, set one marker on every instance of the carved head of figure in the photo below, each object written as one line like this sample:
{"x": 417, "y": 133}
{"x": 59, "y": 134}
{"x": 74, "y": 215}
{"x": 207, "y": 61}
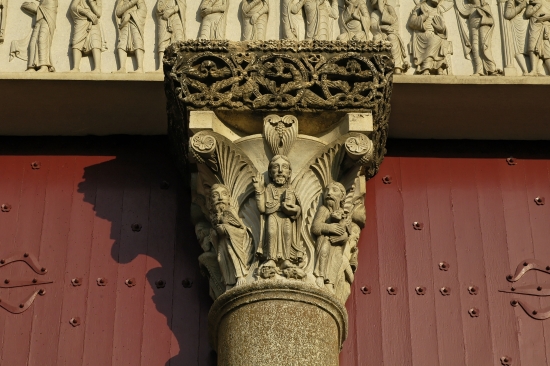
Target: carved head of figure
{"x": 280, "y": 170}
{"x": 334, "y": 196}
{"x": 219, "y": 198}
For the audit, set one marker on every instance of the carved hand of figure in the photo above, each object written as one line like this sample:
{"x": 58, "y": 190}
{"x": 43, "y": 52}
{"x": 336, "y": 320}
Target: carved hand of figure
{"x": 438, "y": 25}
{"x": 205, "y": 12}
{"x": 94, "y": 19}
{"x": 254, "y": 18}
{"x": 290, "y": 209}
{"x": 336, "y": 229}
{"x": 258, "y": 182}
{"x": 220, "y": 229}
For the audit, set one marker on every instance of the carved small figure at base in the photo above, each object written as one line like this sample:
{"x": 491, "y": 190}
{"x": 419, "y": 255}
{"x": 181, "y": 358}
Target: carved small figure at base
{"x": 231, "y": 237}
{"x": 429, "y": 44}
{"x": 87, "y": 34}
{"x": 131, "y": 15}
{"x": 171, "y": 24}
{"x": 279, "y": 204}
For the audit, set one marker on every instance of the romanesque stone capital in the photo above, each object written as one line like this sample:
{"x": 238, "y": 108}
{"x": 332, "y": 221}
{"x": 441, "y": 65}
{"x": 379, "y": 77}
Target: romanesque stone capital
{"x": 279, "y": 138}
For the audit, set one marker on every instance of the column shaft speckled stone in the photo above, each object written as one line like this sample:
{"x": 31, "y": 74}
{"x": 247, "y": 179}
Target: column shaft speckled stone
{"x": 277, "y": 323}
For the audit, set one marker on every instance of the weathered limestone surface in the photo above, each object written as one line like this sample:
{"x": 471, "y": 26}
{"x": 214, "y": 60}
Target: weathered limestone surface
{"x": 277, "y": 323}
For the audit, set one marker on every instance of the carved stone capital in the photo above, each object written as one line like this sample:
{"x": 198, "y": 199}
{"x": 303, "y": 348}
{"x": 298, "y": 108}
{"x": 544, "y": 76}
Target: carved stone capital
{"x": 283, "y": 136}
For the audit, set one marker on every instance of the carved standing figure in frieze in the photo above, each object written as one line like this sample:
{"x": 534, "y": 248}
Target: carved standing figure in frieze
{"x": 429, "y": 44}
{"x": 355, "y": 21}
{"x": 3, "y": 17}
{"x": 514, "y": 14}
{"x": 279, "y": 204}
{"x": 87, "y": 34}
{"x": 171, "y": 24}
{"x": 40, "y": 45}
{"x": 384, "y": 25}
{"x": 328, "y": 13}
{"x": 318, "y": 15}
{"x": 232, "y": 237}
{"x": 538, "y": 34}
{"x": 255, "y": 14}
{"x": 131, "y": 15}
{"x": 214, "y": 19}
{"x": 292, "y": 19}
{"x": 476, "y": 30}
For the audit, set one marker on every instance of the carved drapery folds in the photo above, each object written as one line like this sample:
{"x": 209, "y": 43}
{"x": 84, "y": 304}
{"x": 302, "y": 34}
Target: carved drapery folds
{"x": 280, "y": 135}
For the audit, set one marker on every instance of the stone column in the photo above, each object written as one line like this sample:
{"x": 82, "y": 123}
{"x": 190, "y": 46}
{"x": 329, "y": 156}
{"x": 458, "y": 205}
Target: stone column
{"x": 278, "y": 138}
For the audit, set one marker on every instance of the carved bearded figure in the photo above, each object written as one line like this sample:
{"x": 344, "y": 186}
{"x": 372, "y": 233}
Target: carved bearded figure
{"x": 171, "y": 24}
{"x": 329, "y": 228}
{"x": 255, "y": 13}
{"x": 538, "y": 33}
{"x": 213, "y": 13}
{"x": 42, "y": 35}
{"x": 355, "y": 21}
{"x": 384, "y": 25}
{"x": 87, "y": 32}
{"x": 429, "y": 45}
{"x": 131, "y": 15}
{"x": 280, "y": 205}
{"x": 232, "y": 239}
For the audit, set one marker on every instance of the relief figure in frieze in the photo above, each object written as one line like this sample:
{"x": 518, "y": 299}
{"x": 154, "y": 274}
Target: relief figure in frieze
{"x": 255, "y": 13}
{"x": 281, "y": 208}
{"x": 171, "y": 24}
{"x": 538, "y": 34}
{"x": 514, "y": 14}
{"x": 292, "y": 20}
{"x": 355, "y": 21}
{"x": 318, "y": 15}
{"x": 214, "y": 14}
{"x": 476, "y": 25}
{"x": 87, "y": 37}
{"x": 429, "y": 45}
{"x": 3, "y": 17}
{"x": 40, "y": 58}
{"x": 231, "y": 237}
{"x": 131, "y": 15}
{"x": 384, "y": 25}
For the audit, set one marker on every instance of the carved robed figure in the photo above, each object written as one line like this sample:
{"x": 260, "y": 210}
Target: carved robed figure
{"x": 87, "y": 34}
{"x": 171, "y": 24}
{"x": 131, "y": 25}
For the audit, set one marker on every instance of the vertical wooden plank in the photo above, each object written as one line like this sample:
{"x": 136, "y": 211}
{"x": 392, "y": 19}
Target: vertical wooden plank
{"x": 157, "y": 316}
{"x": 13, "y": 169}
{"x": 471, "y": 272}
{"x": 537, "y": 184}
{"x": 27, "y": 239}
{"x": 419, "y": 262}
{"x": 448, "y": 308}
{"x": 100, "y": 314}
{"x": 520, "y": 247}
{"x": 53, "y": 252}
{"x": 395, "y": 315}
{"x": 71, "y": 339}
{"x": 186, "y": 306}
{"x": 368, "y": 348}
{"x": 128, "y": 322}
{"x": 493, "y": 230}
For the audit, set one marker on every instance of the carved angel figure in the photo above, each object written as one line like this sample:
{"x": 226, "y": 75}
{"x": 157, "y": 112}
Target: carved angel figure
{"x": 231, "y": 237}
{"x": 292, "y": 19}
{"x": 131, "y": 15}
{"x": 42, "y": 35}
{"x": 87, "y": 34}
{"x": 384, "y": 25}
{"x": 514, "y": 13}
{"x": 279, "y": 204}
{"x": 3, "y": 17}
{"x": 171, "y": 24}
{"x": 478, "y": 41}
{"x": 255, "y": 13}
{"x": 429, "y": 44}
{"x": 538, "y": 34}
{"x": 355, "y": 21}
{"x": 214, "y": 14}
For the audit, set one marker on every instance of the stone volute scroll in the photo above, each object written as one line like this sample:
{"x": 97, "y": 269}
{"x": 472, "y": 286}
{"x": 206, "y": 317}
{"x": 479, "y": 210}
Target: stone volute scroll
{"x": 279, "y": 138}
